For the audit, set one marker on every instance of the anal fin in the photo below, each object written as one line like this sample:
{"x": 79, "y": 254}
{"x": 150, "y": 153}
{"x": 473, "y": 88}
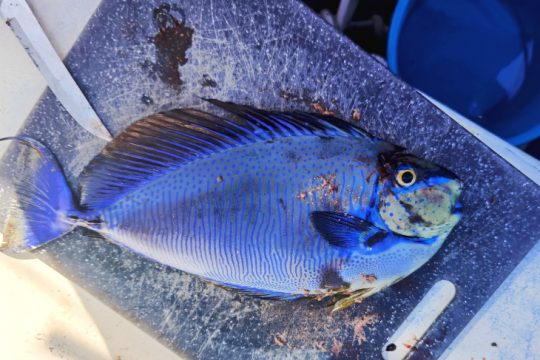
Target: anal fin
{"x": 254, "y": 292}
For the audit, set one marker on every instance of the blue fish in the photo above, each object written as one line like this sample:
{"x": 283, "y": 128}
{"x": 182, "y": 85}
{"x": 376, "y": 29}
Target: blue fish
{"x": 273, "y": 205}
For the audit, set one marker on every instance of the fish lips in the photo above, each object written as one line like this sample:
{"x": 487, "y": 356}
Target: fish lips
{"x": 457, "y": 209}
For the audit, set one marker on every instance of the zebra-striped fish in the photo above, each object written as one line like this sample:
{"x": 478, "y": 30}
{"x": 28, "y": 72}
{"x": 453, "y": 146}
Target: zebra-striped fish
{"x": 273, "y": 205}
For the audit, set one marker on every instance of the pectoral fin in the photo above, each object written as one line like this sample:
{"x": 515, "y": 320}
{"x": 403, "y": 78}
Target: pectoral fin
{"x": 346, "y": 231}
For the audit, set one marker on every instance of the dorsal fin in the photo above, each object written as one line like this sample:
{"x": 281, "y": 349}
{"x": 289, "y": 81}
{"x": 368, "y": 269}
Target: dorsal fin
{"x": 149, "y": 148}
{"x": 293, "y": 123}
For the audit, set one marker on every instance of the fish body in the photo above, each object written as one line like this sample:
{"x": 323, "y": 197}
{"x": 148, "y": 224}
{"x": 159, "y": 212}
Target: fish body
{"x": 283, "y": 206}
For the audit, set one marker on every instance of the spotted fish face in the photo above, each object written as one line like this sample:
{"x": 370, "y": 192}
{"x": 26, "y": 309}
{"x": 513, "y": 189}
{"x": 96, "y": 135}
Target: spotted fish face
{"x": 416, "y": 197}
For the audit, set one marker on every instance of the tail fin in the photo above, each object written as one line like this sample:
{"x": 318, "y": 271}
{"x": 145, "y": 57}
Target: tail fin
{"x": 43, "y": 204}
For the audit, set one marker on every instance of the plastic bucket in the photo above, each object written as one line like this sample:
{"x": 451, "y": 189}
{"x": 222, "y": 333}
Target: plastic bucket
{"x": 479, "y": 57}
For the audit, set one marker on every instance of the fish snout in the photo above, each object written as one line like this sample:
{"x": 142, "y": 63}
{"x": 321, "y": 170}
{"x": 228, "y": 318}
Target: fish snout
{"x": 457, "y": 209}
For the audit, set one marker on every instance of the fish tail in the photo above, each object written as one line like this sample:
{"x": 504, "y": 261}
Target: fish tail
{"x": 44, "y": 208}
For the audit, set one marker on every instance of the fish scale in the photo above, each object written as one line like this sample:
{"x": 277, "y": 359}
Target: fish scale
{"x": 284, "y": 206}
{"x": 279, "y": 231}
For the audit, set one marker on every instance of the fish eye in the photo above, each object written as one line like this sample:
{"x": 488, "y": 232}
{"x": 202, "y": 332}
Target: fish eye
{"x": 405, "y": 176}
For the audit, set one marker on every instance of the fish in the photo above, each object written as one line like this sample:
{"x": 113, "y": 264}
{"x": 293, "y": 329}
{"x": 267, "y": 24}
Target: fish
{"x": 275, "y": 205}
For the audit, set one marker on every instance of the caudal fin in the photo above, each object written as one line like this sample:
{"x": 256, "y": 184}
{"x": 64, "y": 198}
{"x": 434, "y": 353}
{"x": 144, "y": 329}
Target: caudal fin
{"x": 44, "y": 201}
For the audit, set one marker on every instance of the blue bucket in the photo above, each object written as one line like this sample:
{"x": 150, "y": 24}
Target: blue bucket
{"x": 479, "y": 57}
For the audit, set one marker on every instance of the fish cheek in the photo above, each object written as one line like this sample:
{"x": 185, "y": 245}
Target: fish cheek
{"x": 394, "y": 214}
{"x": 413, "y": 217}
{"x": 436, "y": 207}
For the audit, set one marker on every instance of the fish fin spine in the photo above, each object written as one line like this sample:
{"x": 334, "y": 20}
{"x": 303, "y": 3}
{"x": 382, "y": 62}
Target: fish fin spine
{"x": 356, "y": 297}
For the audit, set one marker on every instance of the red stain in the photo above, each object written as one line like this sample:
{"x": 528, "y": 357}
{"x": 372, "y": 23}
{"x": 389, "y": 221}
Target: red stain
{"x": 172, "y": 41}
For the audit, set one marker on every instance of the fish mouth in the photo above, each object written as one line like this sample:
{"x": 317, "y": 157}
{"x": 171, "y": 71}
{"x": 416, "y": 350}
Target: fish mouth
{"x": 457, "y": 209}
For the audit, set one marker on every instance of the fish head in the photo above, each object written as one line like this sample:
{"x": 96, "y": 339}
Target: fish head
{"x": 416, "y": 197}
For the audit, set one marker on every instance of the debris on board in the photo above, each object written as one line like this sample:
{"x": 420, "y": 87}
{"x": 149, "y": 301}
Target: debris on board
{"x": 321, "y": 330}
{"x": 208, "y": 81}
{"x": 336, "y": 348}
{"x": 355, "y": 116}
{"x": 319, "y": 106}
{"x": 360, "y": 327}
{"x": 322, "y": 109}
